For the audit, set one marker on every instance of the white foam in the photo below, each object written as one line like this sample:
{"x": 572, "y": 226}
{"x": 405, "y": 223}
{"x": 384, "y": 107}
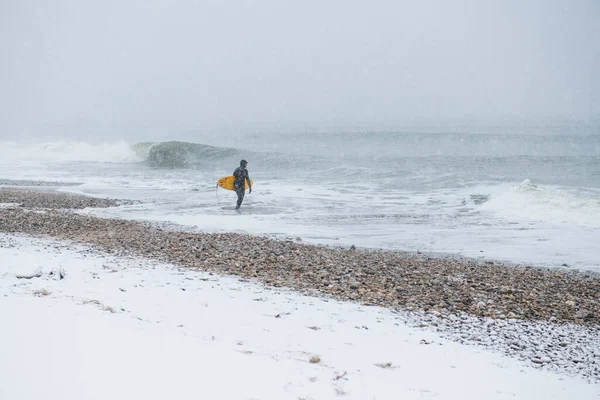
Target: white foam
{"x": 549, "y": 204}
{"x": 9, "y": 205}
{"x": 64, "y": 151}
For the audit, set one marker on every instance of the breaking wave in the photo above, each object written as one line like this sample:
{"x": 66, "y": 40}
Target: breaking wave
{"x": 201, "y": 156}
{"x": 551, "y": 204}
{"x": 157, "y": 154}
{"x": 186, "y": 155}
{"x": 68, "y": 151}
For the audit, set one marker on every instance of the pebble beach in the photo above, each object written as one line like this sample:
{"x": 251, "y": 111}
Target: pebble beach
{"x": 550, "y": 318}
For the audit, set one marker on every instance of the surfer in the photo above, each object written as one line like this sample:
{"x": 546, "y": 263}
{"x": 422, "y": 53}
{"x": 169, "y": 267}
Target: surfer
{"x": 240, "y": 177}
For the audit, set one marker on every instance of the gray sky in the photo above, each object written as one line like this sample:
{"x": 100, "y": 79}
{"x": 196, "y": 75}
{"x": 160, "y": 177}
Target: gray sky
{"x": 134, "y": 66}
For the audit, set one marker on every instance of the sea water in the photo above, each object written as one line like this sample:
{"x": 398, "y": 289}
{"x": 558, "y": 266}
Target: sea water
{"x": 521, "y": 197}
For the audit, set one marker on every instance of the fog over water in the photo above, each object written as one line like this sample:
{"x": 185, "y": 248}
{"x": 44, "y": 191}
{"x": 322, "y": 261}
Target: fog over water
{"x": 162, "y": 69}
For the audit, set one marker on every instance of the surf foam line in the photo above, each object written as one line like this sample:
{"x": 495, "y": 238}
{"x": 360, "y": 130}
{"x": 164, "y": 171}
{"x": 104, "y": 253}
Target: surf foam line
{"x": 550, "y": 204}
{"x": 69, "y": 151}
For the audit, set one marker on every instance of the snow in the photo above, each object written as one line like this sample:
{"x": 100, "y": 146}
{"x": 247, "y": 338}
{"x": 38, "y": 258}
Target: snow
{"x": 124, "y": 328}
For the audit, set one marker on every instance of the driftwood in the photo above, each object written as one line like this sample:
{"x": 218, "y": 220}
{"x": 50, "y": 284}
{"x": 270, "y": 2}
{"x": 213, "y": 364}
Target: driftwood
{"x": 34, "y": 275}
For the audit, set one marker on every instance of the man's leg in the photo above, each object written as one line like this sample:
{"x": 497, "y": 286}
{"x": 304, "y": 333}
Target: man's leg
{"x": 240, "y": 194}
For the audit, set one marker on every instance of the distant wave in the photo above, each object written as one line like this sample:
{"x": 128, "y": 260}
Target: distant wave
{"x": 185, "y": 154}
{"x": 170, "y": 154}
{"x": 190, "y": 155}
{"x": 142, "y": 149}
{"x": 158, "y": 154}
{"x": 66, "y": 151}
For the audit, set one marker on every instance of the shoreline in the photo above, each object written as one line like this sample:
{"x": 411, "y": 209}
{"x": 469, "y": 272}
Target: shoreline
{"x": 397, "y": 280}
{"x": 471, "y": 302}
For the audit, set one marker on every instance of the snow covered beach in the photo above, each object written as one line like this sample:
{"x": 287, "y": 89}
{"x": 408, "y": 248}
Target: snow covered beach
{"x": 134, "y": 316}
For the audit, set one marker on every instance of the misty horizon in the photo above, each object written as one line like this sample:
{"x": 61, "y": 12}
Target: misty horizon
{"x": 152, "y": 67}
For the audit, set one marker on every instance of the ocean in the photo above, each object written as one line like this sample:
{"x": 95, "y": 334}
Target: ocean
{"x": 530, "y": 198}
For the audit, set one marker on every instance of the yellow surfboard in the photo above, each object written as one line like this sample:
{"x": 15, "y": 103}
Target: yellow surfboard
{"x": 226, "y": 182}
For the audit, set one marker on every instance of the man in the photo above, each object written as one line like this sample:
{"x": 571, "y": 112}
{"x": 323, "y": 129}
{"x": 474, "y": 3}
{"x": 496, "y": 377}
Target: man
{"x": 240, "y": 177}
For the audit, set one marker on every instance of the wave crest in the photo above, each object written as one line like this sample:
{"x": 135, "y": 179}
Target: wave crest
{"x": 186, "y": 155}
{"x": 551, "y": 204}
{"x": 65, "y": 151}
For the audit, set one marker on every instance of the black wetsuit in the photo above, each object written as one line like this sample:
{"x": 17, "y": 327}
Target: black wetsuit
{"x": 240, "y": 174}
